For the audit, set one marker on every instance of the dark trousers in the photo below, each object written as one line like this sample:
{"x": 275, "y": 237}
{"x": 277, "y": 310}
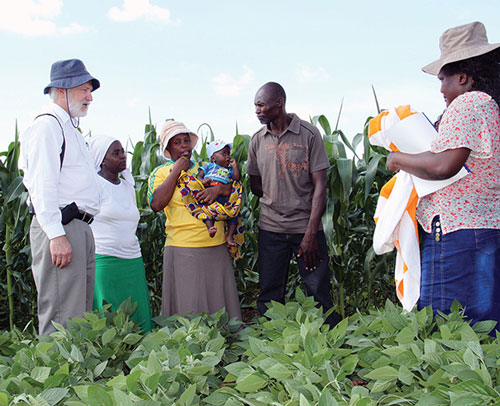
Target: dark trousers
{"x": 275, "y": 253}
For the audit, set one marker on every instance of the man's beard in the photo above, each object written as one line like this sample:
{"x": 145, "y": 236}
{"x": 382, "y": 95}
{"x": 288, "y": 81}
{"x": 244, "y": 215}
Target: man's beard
{"x": 77, "y": 109}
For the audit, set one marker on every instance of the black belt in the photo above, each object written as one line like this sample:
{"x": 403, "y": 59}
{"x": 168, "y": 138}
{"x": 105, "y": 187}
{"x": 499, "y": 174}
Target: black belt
{"x": 80, "y": 215}
{"x": 87, "y": 218}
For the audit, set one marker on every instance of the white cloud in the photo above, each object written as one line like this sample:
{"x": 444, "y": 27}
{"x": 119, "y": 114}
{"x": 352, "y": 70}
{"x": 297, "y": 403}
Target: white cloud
{"x": 133, "y": 103}
{"x": 139, "y": 9}
{"x": 306, "y": 74}
{"x": 227, "y": 85}
{"x": 73, "y": 29}
{"x": 34, "y": 18}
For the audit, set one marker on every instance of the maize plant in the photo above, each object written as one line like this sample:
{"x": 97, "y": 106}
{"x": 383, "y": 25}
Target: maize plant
{"x": 356, "y": 173}
{"x": 16, "y": 282}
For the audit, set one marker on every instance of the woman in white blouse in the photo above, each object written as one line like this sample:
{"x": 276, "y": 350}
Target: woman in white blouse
{"x": 120, "y": 272}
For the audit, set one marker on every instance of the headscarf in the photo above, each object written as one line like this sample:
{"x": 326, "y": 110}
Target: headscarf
{"x": 99, "y": 147}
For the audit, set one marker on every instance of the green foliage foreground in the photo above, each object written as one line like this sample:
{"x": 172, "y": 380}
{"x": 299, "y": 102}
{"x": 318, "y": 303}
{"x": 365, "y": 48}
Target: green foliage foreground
{"x": 386, "y": 357}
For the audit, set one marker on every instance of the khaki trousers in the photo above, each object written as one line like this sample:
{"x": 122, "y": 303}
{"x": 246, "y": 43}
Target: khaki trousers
{"x": 68, "y": 292}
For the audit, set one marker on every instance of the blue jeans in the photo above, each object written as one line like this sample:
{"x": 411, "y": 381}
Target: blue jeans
{"x": 462, "y": 265}
{"x": 275, "y": 253}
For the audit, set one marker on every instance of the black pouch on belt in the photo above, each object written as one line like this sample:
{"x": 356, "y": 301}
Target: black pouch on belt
{"x": 69, "y": 212}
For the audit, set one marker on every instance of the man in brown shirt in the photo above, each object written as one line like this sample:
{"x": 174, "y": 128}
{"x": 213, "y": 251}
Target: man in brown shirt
{"x": 287, "y": 165}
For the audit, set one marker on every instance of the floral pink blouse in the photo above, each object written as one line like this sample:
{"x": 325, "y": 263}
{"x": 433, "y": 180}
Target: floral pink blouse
{"x": 472, "y": 121}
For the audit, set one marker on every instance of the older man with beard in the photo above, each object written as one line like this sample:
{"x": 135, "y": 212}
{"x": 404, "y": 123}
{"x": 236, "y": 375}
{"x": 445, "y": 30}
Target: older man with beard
{"x": 62, "y": 183}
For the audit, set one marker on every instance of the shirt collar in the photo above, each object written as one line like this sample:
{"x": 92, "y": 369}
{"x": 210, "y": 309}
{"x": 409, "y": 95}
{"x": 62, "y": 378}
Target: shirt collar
{"x": 293, "y": 127}
{"x": 61, "y": 114}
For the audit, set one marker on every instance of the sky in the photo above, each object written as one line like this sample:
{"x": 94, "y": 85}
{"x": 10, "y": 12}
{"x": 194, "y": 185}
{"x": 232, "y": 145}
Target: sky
{"x": 202, "y": 62}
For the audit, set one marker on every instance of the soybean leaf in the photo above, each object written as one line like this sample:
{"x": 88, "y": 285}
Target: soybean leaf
{"x": 384, "y": 373}
{"x": 121, "y": 398}
{"x": 108, "y": 336}
{"x": 54, "y": 395}
{"x": 470, "y": 359}
{"x": 153, "y": 364}
{"x": 38, "y": 401}
{"x": 118, "y": 382}
{"x": 54, "y": 381}
{"x": 98, "y": 370}
{"x": 238, "y": 368}
{"x": 484, "y": 327}
{"x": 82, "y": 392}
{"x": 278, "y": 371}
{"x": 76, "y": 354}
{"x": 405, "y": 375}
{"x": 464, "y": 399}
{"x": 132, "y": 338}
{"x": 476, "y": 387}
{"x": 326, "y": 399}
{"x": 198, "y": 370}
{"x": 217, "y": 398}
{"x": 251, "y": 383}
{"x": 216, "y": 344}
{"x": 405, "y": 336}
{"x": 40, "y": 374}
{"x": 187, "y": 396}
{"x": 349, "y": 364}
{"x": 99, "y": 397}
{"x": 303, "y": 401}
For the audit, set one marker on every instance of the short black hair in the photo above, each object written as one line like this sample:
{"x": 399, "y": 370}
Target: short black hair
{"x": 275, "y": 90}
{"x": 483, "y": 69}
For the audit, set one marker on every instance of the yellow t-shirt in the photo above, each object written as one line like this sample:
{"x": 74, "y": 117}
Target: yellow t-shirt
{"x": 182, "y": 229}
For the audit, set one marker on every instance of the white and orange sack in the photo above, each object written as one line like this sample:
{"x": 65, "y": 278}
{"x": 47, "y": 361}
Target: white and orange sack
{"x": 396, "y": 225}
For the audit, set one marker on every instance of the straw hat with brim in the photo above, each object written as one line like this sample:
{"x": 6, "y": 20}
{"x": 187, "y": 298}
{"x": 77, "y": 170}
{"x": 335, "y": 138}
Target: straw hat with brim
{"x": 69, "y": 74}
{"x": 170, "y": 130}
{"x": 459, "y": 43}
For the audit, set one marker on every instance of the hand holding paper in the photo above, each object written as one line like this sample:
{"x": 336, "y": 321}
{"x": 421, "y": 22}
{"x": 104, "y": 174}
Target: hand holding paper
{"x": 414, "y": 135}
{"x": 402, "y": 130}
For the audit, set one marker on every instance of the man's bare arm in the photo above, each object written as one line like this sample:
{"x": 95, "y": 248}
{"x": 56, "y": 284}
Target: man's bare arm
{"x": 309, "y": 246}
{"x": 256, "y": 185}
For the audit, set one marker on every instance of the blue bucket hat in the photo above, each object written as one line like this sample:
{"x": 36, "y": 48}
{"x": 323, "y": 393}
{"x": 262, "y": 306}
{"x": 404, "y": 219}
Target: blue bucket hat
{"x": 69, "y": 74}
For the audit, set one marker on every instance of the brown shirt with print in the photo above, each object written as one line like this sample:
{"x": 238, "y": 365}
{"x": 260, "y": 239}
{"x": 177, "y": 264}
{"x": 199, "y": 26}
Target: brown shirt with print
{"x": 285, "y": 164}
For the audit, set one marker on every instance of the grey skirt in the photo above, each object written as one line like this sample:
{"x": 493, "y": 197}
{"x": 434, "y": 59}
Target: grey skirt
{"x": 197, "y": 280}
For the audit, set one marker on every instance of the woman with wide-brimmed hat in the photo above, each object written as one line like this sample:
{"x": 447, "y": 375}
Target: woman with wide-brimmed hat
{"x": 461, "y": 222}
{"x": 197, "y": 270}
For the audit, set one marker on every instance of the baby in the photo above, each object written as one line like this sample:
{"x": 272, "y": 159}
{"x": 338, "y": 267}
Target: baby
{"x": 222, "y": 169}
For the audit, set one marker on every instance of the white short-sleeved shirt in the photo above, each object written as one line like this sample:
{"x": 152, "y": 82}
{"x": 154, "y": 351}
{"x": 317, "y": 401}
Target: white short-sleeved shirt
{"x": 115, "y": 226}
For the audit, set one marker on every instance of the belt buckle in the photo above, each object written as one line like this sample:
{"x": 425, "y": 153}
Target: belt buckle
{"x": 86, "y": 217}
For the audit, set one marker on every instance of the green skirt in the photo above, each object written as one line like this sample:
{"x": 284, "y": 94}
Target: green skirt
{"x": 117, "y": 279}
